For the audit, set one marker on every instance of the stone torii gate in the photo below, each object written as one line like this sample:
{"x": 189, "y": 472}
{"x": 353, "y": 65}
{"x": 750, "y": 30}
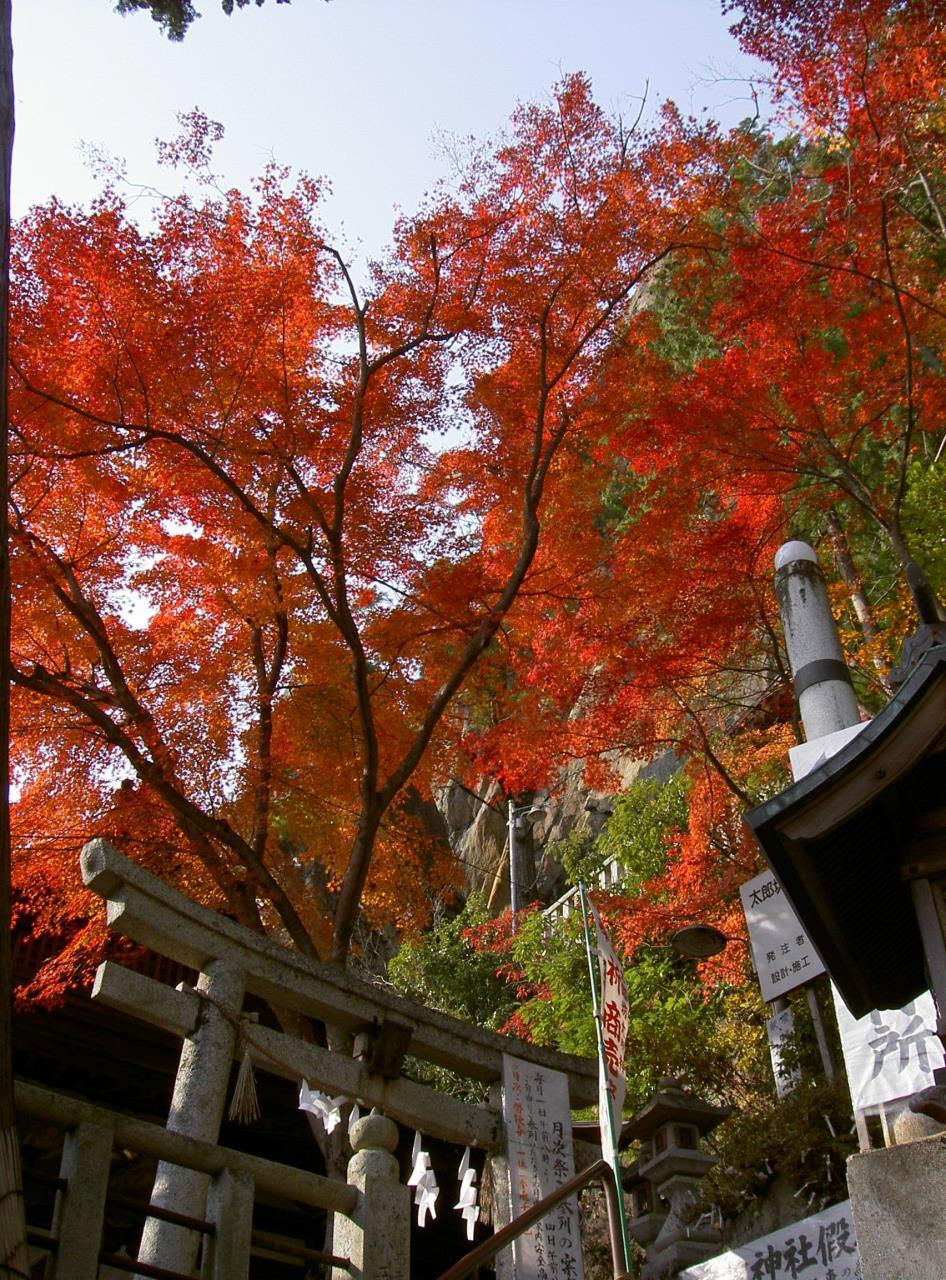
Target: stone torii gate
{"x": 373, "y": 1210}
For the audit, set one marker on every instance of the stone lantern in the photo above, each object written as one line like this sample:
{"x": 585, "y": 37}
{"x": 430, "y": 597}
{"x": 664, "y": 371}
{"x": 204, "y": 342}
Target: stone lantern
{"x": 663, "y": 1180}
{"x": 646, "y": 1217}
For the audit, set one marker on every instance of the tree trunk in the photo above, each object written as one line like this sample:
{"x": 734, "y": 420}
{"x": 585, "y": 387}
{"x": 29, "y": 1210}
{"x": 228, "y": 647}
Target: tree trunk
{"x": 862, "y": 609}
{"x": 13, "y": 1252}
{"x": 356, "y": 873}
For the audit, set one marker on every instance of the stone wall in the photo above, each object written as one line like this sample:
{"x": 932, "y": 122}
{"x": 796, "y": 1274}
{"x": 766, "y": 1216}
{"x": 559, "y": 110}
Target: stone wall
{"x": 476, "y": 825}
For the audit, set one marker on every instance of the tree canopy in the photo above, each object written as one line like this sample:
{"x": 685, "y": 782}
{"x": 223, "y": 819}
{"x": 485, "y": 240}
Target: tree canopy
{"x": 265, "y": 525}
{"x": 289, "y": 551}
{"x": 788, "y": 380}
{"x": 175, "y": 16}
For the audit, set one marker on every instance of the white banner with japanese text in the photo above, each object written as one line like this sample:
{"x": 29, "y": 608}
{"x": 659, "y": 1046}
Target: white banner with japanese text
{"x": 781, "y": 950}
{"x": 540, "y": 1154}
{"x": 614, "y": 1009}
{"x": 822, "y": 1247}
{"x": 889, "y": 1053}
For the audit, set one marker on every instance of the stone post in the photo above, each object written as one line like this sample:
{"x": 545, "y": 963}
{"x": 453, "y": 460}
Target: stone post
{"x": 230, "y": 1209}
{"x": 898, "y": 1198}
{"x": 80, "y": 1209}
{"x": 200, "y": 1090}
{"x": 500, "y": 1197}
{"x": 377, "y": 1238}
{"x": 826, "y": 700}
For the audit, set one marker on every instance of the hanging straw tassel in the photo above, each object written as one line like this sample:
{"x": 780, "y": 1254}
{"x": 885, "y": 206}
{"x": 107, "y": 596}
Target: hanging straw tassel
{"x": 244, "y": 1105}
{"x": 487, "y": 1193}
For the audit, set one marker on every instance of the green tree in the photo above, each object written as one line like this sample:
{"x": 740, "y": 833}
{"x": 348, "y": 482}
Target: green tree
{"x": 442, "y": 970}
{"x": 677, "y": 1020}
{"x": 635, "y": 835}
{"x": 673, "y": 1023}
{"x": 175, "y": 16}
{"x": 924, "y": 517}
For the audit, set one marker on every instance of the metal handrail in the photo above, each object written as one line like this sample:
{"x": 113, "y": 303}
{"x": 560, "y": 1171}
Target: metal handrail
{"x": 496, "y": 1243}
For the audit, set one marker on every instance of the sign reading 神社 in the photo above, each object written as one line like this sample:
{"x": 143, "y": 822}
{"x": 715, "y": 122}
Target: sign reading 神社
{"x": 539, "y": 1149}
{"x": 822, "y": 1247}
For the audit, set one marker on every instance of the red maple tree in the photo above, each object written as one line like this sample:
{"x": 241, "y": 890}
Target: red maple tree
{"x": 801, "y": 387}
{"x": 266, "y": 523}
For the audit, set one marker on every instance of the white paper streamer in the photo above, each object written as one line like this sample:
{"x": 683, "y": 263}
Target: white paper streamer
{"x": 469, "y": 1209}
{"x": 328, "y": 1110}
{"x": 424, "y": 1181}
{"x": 354, "y": 1117}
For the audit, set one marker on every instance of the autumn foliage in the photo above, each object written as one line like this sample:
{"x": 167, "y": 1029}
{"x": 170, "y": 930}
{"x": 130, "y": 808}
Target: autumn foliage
{"x": 791, "y": 384}
{"x": 266, "y": 523}
{"x": 292, "y": 543}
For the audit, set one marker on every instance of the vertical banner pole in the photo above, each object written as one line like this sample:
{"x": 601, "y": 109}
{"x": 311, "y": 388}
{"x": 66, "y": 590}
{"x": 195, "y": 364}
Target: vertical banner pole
{"x": 603, "y": 1094}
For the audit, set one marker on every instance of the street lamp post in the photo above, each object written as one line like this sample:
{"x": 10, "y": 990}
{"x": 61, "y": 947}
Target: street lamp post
{"x": 516, "y": 813}
{"x": 513, "y": 865}
{"x": 701, "y": 941}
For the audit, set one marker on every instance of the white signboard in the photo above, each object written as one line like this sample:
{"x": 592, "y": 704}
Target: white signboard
{"x": 778, "y": 1028}
{"x": 890, "y": 1053}
{"x": 821, "y": 1247}
{"x": 539, "y": 1150}
{"x": 781, "y": 950}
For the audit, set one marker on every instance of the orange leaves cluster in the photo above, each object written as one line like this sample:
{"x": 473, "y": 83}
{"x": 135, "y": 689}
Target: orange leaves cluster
{"x": 788, "y": 377}
{"x": 281, "y": 544}
{"x": 706, "y": 864}
{"x": 810, "y": 379}
{"x": 266, "y": 525}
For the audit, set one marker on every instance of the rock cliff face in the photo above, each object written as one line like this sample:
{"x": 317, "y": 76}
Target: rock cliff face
{"x": 476, "y": 828}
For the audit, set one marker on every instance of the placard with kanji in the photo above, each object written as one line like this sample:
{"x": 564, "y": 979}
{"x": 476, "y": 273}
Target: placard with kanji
{"x": 782, "y": 952}
{"x": 822, "y": 1247}
{"x": 539, "y": 1149}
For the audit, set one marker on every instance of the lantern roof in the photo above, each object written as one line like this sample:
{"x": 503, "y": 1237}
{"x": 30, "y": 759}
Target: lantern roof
{"x": 671, "y": 1103}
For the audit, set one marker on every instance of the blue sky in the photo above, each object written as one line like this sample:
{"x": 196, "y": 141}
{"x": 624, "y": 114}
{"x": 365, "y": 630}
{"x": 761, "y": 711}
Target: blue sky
{"x": 362, "y": 91}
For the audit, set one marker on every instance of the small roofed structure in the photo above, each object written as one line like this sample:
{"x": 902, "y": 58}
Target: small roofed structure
{"x": 859, "y": 846}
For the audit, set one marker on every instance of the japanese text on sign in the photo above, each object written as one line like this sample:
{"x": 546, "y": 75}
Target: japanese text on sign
{"x": 890, "y": 1053}
{"x": 822, "y": 1247}
{"x": 781, "y": 950}
{"x": 614, "y": 1013}
{"x": 539, "y": 1150}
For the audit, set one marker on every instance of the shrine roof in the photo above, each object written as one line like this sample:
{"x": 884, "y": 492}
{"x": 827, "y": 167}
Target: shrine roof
{"x": 847, "y": 840}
